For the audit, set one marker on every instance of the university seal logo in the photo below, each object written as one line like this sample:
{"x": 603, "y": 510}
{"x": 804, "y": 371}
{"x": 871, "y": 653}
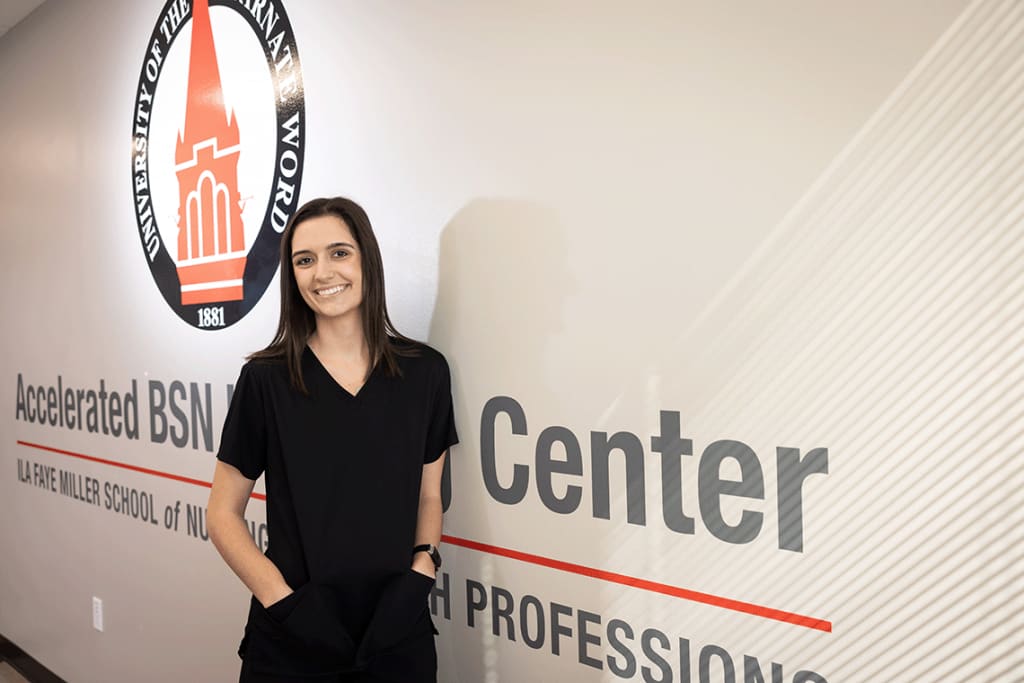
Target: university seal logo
{"x": 218, "y": 135}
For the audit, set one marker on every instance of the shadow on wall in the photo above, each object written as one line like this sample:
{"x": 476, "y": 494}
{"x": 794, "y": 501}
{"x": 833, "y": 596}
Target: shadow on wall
{"x": 502, "y": 282}
{"x": 502, "y": 286}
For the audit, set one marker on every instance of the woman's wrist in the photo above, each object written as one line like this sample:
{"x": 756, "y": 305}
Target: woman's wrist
{"x": 268, "y": 598}
{"x": 422, "y": 563}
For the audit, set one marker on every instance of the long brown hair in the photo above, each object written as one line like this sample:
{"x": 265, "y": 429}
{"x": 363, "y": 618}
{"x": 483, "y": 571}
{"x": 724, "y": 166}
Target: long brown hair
{"x": 297, "y": 321}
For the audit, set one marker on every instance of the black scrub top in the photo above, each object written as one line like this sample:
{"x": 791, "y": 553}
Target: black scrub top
{"x": 343, "y": 480}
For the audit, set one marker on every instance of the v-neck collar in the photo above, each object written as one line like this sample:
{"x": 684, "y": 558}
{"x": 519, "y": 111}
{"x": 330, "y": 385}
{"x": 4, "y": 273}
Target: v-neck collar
{"x": 330, "y": 378}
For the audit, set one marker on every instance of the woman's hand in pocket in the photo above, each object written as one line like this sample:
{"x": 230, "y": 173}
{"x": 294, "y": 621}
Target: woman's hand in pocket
{"x": 274, "y": 595}
{"x": 280, "y": 609}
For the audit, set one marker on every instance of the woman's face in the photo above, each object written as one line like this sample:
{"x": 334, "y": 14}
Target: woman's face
{"x": 328, "y": 267}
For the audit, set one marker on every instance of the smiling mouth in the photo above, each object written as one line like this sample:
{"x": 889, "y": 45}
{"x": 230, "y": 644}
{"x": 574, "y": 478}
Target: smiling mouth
{"x": 330, "y": 291}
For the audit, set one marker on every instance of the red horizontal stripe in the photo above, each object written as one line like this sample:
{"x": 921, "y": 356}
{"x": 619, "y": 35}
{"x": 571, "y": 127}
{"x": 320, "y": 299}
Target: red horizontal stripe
{"x": 611, "y": 577}
{"x": 126, "y": 466}
{"x": 644, "y": 584}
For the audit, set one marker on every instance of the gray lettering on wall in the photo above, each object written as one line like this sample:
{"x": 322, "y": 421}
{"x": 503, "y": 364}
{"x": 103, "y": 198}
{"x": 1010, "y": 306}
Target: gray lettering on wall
{"x": 713, "y": 487}
{"x": 188, "y": 425}
{"x": 704, "y": 665}
{"x": 646, "y": 644}
{"x": 583, "y": 620}
{"x": 808, "y": 677}
{"x": 476, "y": 601}
{"x": 520, "y": 473}
{"x": 442, "y": 594}
{"x": 629, "y": 445}
{"x": 195, "y": 521}
{"x": 107, "y": 412}
{"x": 548, "y": 466}
{"x": 530, "y": 604}
{"x": 672, "y": 447}
{"x": 684, "y": 660}
{"x": 627, "y": 669}
{"x": 501, "y": 612}
{"x": 157, "y": 419}
{"x": 128, "y": 501}
{"x": 598, "y": 642}
{"x": 558, "y": 629}
{"x": 752, "y": 672}
{"x": 792, "y": 472}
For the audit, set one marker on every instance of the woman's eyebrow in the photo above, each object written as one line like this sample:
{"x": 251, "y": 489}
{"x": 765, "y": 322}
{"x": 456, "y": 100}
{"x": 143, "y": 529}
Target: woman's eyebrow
{"x": 330, "y": 246}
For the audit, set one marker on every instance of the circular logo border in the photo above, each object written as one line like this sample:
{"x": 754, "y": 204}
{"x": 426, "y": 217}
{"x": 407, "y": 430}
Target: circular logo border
{"x": 272, "y": 28}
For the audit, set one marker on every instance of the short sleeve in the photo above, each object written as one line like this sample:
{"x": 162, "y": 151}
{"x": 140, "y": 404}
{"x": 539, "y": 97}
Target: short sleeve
{"x": 441, "y": 433}
{"x": 243, "y": 443}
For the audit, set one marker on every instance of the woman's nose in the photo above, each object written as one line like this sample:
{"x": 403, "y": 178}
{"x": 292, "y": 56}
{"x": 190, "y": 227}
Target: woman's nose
{"x": 321, "y": 269}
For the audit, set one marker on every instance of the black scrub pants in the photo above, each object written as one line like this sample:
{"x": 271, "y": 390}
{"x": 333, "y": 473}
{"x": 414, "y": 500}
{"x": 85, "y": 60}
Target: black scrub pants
{"x": 301, "y": 640}
{"x": 422, "y": 670}
{"x": 248, "y": 676}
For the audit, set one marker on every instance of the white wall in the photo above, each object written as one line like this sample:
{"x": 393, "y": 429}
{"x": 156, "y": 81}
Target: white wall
{"x": 795, "y": 224}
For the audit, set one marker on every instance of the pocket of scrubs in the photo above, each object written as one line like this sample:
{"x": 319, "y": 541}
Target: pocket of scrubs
{"x": 401, "y": 613}
{"x": 299, "y": 634}
{"x": 312, "y": 622}
{"x": 280, "y": 610}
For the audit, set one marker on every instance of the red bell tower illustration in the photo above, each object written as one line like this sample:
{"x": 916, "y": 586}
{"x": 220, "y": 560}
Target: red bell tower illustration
{"x": 211, "y": 238}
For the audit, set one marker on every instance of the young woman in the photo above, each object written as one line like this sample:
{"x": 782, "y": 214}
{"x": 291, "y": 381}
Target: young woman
{"x": 349, "y": 422}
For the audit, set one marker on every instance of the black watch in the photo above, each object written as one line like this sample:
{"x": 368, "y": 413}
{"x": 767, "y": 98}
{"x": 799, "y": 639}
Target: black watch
{"x": 431, "y": 550}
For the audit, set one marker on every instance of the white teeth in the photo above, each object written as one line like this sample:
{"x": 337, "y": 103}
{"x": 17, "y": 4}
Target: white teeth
{"x": 330, "y": 291}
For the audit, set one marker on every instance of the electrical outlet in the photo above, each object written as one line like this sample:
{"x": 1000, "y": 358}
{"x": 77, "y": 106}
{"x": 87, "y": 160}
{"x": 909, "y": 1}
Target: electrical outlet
{"x": 97, "y": 613}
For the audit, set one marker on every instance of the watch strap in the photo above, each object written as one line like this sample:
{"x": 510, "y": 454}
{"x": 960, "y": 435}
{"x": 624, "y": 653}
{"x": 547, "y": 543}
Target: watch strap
{"x": 432, "y": 551}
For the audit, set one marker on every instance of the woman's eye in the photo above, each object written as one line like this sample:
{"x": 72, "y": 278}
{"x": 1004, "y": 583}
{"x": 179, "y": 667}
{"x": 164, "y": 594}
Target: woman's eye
{"x": 340, "y": 253}
{"x": 303, "y": 261}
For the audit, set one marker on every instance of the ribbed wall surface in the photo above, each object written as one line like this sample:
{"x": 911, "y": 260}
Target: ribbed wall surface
{"x": 884, "y": 317}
